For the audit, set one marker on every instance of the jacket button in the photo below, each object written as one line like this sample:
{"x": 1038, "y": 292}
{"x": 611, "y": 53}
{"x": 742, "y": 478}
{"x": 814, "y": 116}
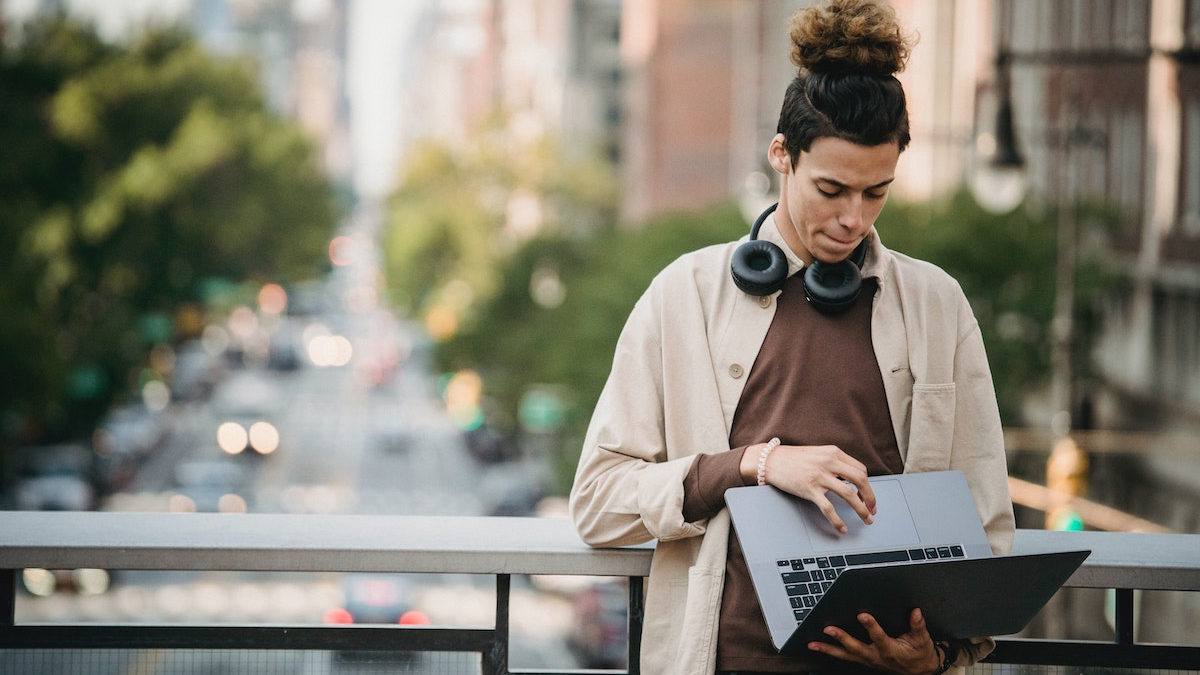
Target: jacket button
{"x": 764, "y": 301}
{"x": 735, "y": 371}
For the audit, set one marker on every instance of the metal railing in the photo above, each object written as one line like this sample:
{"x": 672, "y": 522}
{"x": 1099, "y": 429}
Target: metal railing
{"x": 498, "y": 547}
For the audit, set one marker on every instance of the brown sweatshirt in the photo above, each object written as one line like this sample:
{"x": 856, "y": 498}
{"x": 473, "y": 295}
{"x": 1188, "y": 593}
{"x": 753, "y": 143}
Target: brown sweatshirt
{"x": 815, "y": 382}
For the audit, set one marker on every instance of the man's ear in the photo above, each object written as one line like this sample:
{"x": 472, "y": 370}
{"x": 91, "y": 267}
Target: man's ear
{"x": 777, "y": 155}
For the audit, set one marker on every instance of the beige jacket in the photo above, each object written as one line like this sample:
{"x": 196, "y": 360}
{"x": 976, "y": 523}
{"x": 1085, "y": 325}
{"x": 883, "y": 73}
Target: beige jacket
{"x": 678, "y": 372}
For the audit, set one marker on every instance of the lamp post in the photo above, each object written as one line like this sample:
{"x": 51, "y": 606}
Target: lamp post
{"x": 999, "y": 184}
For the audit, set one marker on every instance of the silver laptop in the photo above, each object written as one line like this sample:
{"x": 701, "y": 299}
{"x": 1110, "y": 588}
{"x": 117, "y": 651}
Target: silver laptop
{"x": 926, "y": 548}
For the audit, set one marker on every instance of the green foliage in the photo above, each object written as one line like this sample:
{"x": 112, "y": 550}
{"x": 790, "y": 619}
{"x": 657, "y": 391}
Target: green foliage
{"x": 1006, "y": 266}
{"x": 449, "y": 227}
{"x": 131, "y": 173}
{"x": 516, "y": 343}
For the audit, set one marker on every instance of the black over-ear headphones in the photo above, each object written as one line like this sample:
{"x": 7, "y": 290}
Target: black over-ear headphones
{"x": 760, "y": 268}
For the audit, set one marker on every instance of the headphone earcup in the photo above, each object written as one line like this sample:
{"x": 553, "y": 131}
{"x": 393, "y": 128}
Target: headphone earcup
{"x": 759, "y": 267}
{"x": 832, "y": 287}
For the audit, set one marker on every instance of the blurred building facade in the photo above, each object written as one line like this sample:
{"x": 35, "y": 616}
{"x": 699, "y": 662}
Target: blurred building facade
{"x": 300, "y": 48}
{"x": 706, "y": 78}
{"x": 1106, "y": 102}
{"x": 684, "y": 94}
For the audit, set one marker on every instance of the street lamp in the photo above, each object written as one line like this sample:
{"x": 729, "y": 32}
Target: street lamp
{"x": 999, "y": 183}
{"x": 998, "y": 180}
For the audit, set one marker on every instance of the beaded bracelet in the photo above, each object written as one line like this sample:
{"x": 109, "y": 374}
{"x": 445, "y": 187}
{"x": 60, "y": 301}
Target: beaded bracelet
{"x": 762, "y": 459}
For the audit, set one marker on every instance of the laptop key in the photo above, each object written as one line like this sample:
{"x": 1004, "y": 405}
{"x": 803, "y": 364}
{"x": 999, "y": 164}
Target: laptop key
{"x": 796, "y": 577}
{"x": 956, "y": 551}
{"x": 879, "y": 557}
{"x": 943, "y": 551}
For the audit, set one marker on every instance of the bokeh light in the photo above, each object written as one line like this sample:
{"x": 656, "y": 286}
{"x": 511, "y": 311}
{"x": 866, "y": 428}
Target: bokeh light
{"x": 272, "y": 299}
{"x": 264, "y": 437}
{"x": 232, "y": 437}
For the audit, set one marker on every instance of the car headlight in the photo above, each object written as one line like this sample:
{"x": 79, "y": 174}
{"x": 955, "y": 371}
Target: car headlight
{"x": 232, "y": 437}
{"x": 264, "y": 437}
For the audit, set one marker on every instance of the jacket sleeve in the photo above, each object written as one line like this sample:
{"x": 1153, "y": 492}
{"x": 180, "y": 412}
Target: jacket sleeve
{"x": 626, "y": 490}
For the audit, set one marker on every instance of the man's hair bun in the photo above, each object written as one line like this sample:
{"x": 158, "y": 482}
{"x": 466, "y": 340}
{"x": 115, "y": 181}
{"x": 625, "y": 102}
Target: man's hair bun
{"x": 849, "y": 36}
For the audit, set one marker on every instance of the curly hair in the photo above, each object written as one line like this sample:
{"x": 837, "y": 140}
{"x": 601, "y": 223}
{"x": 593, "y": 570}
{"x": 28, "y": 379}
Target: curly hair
{"x": 846, "y": 53}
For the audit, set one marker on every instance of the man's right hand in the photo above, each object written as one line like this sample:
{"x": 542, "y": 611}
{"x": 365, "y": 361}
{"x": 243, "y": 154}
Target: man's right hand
{"x": 814, "y": 472}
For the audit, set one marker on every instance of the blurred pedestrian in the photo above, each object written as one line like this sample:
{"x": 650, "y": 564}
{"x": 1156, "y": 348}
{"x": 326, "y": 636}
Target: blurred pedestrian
{"x": 808, "y": 358}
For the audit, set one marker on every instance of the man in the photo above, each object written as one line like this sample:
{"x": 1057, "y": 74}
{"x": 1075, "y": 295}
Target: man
{"x": 719, "y": 380}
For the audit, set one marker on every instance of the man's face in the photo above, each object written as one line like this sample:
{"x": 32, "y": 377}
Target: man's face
{"x": 830, "y": 199}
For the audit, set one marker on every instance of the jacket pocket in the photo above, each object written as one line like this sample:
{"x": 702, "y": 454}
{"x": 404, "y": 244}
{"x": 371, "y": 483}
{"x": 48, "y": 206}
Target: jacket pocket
{"x": 696, "y": 651}
{"x": 931, "y": 435}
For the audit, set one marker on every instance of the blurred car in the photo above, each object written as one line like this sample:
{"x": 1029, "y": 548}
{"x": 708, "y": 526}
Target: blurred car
{"x": 196, "y": 372}
{"x": 54, "y": 478}
{"x": 511, "y": 489}
{"x": 244, "y": 406}
{"x": 285, "y": 346}
{"x": 376, "y": 599}
{"x": 216, "y": 486}
{"x": 57, "y": 478}
{"x": 599, "y": 635}
{"x": 126, "y": 436}
{"x": 84, "y": 581}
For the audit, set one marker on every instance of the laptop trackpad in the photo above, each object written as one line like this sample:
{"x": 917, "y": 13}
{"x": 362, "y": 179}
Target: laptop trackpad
{"x": 893, "y": 526}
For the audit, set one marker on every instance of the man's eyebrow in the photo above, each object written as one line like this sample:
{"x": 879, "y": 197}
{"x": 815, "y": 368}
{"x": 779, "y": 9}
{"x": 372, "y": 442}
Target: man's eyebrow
{"x": 841, "y": 185}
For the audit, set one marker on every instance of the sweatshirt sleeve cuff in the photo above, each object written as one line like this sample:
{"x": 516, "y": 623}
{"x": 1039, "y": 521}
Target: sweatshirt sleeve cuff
{"x": 705, "y": 484}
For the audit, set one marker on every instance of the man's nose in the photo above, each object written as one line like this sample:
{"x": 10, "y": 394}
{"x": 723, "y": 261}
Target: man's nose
{"x": 851, "y": 217}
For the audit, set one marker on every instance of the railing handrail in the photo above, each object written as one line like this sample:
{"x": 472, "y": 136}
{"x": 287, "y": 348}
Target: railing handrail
{"x": 494, "y": 546}
{"x": 307, "y": 543}
{"x": 461, "y": 544}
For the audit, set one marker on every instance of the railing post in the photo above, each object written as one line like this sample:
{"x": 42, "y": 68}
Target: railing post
{"x": 495, "y": 661}
{"x": 1123, "y": 616}
{"x": 637, "y": 616}
{"x": 8, "y": 597}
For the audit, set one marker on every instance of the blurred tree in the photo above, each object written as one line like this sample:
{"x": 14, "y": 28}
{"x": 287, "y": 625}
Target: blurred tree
{"x": 1005, "y": 265}
{"x": 517, "y": 342}
{"x": 130, "y": 175}
{"x": 462, "y": 210}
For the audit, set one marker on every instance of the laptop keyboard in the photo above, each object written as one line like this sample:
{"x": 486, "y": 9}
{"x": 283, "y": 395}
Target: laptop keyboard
{"x": 807, "y": 579}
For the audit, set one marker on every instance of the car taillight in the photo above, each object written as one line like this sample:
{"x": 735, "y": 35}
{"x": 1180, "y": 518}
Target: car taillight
{"x": 414, "y": 617}
{"x": 338, "y": 615}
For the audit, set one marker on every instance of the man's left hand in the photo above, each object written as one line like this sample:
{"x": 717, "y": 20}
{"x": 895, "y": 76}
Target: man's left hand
{"x": 912, "y": 653}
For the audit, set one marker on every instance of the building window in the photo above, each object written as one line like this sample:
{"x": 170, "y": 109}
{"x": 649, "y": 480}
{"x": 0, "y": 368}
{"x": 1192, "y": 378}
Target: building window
{"x": 1189, "y": 174}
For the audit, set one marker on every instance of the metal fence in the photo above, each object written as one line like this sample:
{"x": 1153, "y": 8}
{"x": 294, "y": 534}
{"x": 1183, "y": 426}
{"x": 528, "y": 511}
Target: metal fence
{"x": 500, "y": 548}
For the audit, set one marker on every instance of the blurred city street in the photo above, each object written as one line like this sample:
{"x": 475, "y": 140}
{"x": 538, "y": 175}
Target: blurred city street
{"x": 376, "y": 257}
{"x": 369, "y": 434}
